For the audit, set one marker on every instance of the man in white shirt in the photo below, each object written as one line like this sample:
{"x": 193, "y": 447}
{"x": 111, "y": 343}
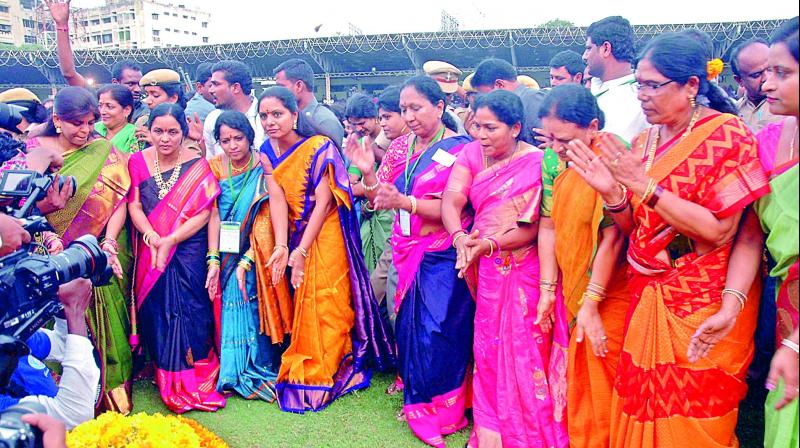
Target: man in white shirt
{"x": 231, "y": 87}
{"x": 608, "y": 55}
{"x": 69, "y": 344}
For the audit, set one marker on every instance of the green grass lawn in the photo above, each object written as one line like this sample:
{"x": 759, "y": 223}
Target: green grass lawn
{"x": 362, "y": 419}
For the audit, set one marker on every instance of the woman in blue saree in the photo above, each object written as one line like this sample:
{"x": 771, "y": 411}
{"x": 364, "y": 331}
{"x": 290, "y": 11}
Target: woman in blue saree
{"x": 255, "y": 315}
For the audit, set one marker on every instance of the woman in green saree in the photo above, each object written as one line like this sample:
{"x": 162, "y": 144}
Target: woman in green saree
{"x": 97, "y": 208}
{"x": 115, "y": 106}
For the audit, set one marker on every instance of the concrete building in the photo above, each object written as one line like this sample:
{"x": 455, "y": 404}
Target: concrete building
{"x": 129, "y": 24}
{"x": 118, "y": 24}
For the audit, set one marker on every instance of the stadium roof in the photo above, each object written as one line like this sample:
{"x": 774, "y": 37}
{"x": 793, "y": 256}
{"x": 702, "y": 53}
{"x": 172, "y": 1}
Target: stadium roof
{"x": 529, "y": 49}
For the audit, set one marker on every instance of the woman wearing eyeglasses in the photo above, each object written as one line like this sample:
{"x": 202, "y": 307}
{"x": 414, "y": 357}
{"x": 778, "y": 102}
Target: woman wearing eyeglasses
{"x": 679, "y": 194}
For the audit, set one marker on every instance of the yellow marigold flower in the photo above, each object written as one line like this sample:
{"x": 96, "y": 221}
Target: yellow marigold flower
{"x": 714, "y": 68}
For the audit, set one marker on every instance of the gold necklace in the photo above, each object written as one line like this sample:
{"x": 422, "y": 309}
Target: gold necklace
{"x": 237, "y": 170}
{"x": 489, "y": 161}
{"x": 654, "y": 144}
{"x": 165, "y": 187}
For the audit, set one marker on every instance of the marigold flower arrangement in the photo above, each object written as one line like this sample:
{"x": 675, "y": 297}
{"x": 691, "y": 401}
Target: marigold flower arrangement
{"x": 114, "y": 430}
{"x": 714, "y": 68}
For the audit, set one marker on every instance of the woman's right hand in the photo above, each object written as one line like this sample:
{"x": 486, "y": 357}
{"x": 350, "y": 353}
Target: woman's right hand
{"x": 591, "y": 168}
{"x": 590, "y": 324}
{"x": 298, "y": 264}
{"x": 544, "y": 310}
{"x": 59, "y": 10}
{"x": 360, "y": 156}
{"x": 155, "y": 240}
{"x": 277, "y": 262}
{"x": 463, "y": 250}
{"x": 55, "y": 199}
{"x": 212, "y": 281}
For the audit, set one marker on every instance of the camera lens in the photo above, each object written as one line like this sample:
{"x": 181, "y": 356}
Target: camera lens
{"x": 83, "y": 258}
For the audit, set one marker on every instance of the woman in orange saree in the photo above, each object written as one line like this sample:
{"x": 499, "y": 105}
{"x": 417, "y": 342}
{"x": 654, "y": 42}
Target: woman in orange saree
{"x": 337, "y": 329}
{"x": 690, "y": 177}
{"x": 578, "y": 239}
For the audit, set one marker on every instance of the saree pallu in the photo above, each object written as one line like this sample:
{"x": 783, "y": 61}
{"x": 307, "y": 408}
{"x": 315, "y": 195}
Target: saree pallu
{"x": 435, "y": 310}
{"x": 519, "y": 380}
{"x": 175, "y": 317}
{"x": 102, "y": 178}
{"x": 578, "y": 216}
{"x": 249, "y": 358}
{"x": 660, "y": 398}
{"x": 124, "y": 140}
{"x": 337, "y": 329}
{"x": 778, "y": 213}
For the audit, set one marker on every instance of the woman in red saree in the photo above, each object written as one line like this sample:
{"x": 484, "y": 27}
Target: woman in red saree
{"x": 690, "y": 177}
{"x": 172, "y": 194}
{"x": 519, "y": 381}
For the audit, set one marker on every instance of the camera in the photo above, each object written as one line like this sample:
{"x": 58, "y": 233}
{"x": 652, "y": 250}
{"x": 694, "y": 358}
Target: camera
{"x": 14, "y": 432}
{"x": 24, "y": 188}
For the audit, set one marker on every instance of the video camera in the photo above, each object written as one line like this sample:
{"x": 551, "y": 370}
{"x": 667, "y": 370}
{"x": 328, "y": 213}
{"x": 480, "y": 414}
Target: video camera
{"x": 29, "y": 281}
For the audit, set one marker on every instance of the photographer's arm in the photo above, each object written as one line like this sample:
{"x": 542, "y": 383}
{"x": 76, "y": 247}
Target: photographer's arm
{"x": 74, "y": 402}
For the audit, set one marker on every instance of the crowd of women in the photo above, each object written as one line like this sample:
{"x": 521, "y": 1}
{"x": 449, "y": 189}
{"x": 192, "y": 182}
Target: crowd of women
{"x": 594, "y": 293}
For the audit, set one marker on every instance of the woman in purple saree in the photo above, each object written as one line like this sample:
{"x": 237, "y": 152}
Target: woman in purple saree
{"x": 519, "y": 381}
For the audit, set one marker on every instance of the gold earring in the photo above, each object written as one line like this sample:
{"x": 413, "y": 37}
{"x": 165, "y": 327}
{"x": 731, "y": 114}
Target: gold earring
{"x": 294, "y": 126}
{"x": 692, "y": 102}
{"x": 58, "y": 129}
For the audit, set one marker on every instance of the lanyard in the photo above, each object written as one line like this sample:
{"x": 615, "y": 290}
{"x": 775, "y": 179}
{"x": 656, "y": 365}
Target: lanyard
{"x": 407, "y": 174}
{"x": 230, "y": 182}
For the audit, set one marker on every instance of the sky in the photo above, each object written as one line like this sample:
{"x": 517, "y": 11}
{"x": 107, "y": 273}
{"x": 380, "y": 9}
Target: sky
{"x": 255, "y": 20}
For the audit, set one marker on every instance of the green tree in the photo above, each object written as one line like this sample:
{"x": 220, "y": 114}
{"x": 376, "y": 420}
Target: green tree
{"x": 557, "y": 23}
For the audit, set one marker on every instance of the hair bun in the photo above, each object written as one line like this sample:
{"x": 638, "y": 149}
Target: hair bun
{"x": 714, "y": 68}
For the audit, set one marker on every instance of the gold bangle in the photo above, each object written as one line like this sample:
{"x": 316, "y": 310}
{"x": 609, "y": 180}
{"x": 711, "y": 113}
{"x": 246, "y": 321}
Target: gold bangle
{"x": 740, "y": 296}
{"x": 413, "y": 201}
{"x": 370, "y": 187}
{"x": 244, "y": 264}
{"x": 594, "y": 287}
{"x": 548, "y": 283}
{"x": 491, "y": 248}
{"x": 302, "y": 251}
{"x": 594, "y": 297}
{"x": 147, "y": 236}
{"x": 455, "y": 240}
{"x": 280, "y": 246}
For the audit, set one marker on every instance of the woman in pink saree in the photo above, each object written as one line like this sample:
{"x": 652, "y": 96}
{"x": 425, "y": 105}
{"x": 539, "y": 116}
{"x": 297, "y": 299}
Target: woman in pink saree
{"x": 172, "y": 193}
{"x": 519, "y": 381}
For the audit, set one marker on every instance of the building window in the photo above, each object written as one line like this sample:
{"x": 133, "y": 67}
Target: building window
{"x": 106, "y": 38}
{"x": 194, "y": 18}
{"x": 204, "y": 24}
{"x": 125, "y": 35}
{"x": 194, "y": 34}
{"x": 205, "y": 40}
{"x": 95, "y": 21}
{"x": 84, "y": 23}
{"x": 156, "y": 33}
{"x": 5, "y": 28}
{"x": 185, "y": 32}
{"x": 28, "y": 23}
{"x": 167, "y": 29}
{"x": 155, "y": 16}
{"x": 4, "y": 8}
{"x": 185, "y": 17}
{"x": 106, "y": 19}
{"x": 30, "y": 39}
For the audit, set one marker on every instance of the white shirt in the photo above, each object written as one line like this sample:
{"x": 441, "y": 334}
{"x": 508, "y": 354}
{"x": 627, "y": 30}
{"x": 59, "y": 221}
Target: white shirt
{"x": 212, "y": 146}
{"x": 618, "y": 100}
{"x": 78, "y": 388}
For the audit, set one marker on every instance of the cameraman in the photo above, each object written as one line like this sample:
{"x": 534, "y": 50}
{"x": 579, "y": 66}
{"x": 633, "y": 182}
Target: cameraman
{"x": 72, "y": 401}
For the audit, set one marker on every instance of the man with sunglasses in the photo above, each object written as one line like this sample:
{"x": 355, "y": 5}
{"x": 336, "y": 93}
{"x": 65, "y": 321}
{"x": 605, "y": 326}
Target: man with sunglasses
{"x": 609, "y": 52}
{"x": 749, "y": 64}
